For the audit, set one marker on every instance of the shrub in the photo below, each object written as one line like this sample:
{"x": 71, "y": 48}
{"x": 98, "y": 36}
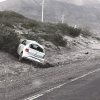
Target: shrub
{"x": 74, "y": 32}
{"x": 63, "y": 27}
{"x": 56, "y": 39}
{"x": 8, "y": 40}
{"x": 31, "y": 24}
{"x": 85, "y": 32}
{"x": 50, "y": 28}
{"x": 31, "y": 36}
{"x": 6, "y": 23}
{"x": 25, "y": 25}
{"x": 10, "y": 14}
{"x": 98, "y": 38}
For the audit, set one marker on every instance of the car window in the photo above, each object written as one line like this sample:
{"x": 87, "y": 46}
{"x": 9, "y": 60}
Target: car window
{"x": 36, "y": 47}
{"x": 24, "y": 42}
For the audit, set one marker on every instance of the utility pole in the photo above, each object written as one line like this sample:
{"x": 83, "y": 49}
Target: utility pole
{"x": 42, "y": 9}
{"x": 75, "y": 26}
{"x": 63, "y": 18}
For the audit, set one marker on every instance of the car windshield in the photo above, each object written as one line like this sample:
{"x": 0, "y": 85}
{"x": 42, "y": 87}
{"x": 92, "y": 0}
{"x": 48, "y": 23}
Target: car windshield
{"x": 36, "y": 47}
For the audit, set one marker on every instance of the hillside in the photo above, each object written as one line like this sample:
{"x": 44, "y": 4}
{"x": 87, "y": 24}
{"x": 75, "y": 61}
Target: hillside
{"x": 80, "y": 15}
{"x": 58, "y": 39}
{"x": 16, "y": 26}
{"x": 64, "y": 47}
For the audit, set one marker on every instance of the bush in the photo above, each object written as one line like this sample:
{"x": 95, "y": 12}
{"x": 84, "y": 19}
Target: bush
{"x": 10, "y": 14}
{"x": 85, "y": 32}
{"x": 25, "y": 25}
{"x": 98, "y": 38}
{"x": 56, "y": 39}
{"x": 50, "y": 28}
{"x": 8, "y": 41}
{"x": 74, "y": 32}
{"x": 31, "y": 36}
{"x": 31, "y": 24}
{"x": 63, "y": 27}
{"x": 49, "y": 31}
{"x": 7, "y": 23}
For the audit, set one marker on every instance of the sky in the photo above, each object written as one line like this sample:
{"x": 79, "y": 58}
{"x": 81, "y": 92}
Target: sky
{"x": 82, "y": 2}
{"x": 77, "y": 2}
{"x": 2, "y": 0}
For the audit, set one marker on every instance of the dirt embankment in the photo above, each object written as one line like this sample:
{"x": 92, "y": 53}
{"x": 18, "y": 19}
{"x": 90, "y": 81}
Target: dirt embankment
{"x": 79, "y": 49}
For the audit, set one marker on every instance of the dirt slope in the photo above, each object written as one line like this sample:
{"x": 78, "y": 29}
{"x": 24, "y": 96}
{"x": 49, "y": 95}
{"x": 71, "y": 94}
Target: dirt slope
{"x": 77, "y": 49}
{"x": 13, "y": 72}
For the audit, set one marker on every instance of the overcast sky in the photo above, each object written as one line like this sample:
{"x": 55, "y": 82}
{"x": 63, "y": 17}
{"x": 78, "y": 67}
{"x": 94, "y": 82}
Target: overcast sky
{"x": 82, "y": 2}
{"x": 77, "y": 2}
{"x": 2, "y": 0}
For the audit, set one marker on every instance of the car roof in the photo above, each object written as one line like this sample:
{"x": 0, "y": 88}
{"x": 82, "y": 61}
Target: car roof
{"x": 34, "y": 42}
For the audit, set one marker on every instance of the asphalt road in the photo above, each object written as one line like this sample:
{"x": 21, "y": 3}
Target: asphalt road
{"x": 86, "y": 87}
{"x": 74, "y": 80}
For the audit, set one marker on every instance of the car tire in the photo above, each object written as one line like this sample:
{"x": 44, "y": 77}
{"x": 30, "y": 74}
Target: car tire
{"x": 20, "y": 57}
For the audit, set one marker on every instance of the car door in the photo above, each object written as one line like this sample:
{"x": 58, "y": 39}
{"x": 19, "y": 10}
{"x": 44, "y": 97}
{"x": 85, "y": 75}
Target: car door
{"x": 35, "y": 51}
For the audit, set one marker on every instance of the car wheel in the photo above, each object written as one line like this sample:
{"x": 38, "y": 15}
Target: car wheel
{"x": 20, "y": 57}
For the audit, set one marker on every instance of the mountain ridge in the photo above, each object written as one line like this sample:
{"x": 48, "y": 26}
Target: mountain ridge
{"x": 80, "y": 15}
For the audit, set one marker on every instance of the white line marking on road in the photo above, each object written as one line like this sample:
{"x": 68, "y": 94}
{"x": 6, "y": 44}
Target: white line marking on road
{"x": 85, "y": 75}
{"x": 34, "y": 97}
{"x": 49, "y": 90}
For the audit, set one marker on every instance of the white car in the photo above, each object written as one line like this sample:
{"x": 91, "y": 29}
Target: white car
{"x": 31, "y": 50}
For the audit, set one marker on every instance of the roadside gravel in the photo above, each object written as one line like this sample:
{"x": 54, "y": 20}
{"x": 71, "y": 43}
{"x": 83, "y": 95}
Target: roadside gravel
{"x": 62, "y": 65}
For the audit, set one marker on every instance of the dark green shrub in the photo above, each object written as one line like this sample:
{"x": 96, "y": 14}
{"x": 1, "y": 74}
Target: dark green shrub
{"x": 50, "y": 28}
{"x": 25, "y": 25}
{"x": 10, "y": 14}
{"x": 67, "y": 30}
{"x": 32, "y": 24}
{"x": 98, "y": 38}
{"x": 85, "y": 32}
{"x": 7, "y": 23}
{"x": 31, "y": 36}
{"x": 56, "y": 39}
{"x": 63, "y": 27}
{"x": 74, "y": 32}
{"x": 8, "y": 41}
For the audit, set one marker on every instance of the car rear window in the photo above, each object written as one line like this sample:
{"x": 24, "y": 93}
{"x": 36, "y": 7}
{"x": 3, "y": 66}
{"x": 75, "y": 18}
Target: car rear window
{"x": 36, "y": 47}
{"x": 24, "y": 42}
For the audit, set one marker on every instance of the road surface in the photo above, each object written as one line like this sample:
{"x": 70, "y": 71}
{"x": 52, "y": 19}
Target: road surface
{"x": 74, "y": 80}
{"x": 86, "y": 87}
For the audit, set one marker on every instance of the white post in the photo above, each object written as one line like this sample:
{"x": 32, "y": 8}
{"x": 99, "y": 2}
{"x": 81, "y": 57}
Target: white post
{"x": 62, "y": 18}
{"x": 42, "y": 9}
{"x": 75, "y": 26}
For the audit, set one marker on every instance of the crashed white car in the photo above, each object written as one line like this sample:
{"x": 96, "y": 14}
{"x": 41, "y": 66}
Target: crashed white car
{"x": 31, "y": 50}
